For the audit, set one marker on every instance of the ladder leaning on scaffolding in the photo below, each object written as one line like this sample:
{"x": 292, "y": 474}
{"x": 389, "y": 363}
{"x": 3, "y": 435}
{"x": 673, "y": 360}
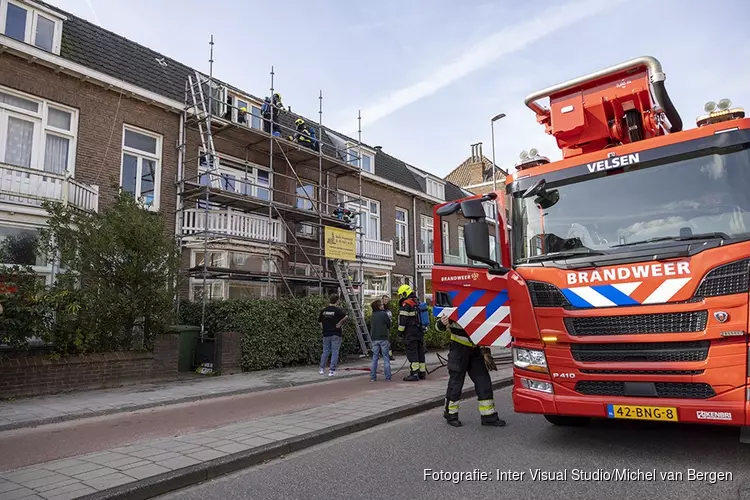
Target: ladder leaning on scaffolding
{"x": 352, "y": 299}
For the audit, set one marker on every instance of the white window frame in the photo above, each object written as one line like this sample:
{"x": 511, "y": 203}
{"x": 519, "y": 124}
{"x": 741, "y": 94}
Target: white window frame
{"x": 353, "y": 157}
{"x": 41, "y": 128}
{"x": 435, "y": 188}
{"x": 363, "y": 211}
{"x": 33, "y": 11}
{"x": 251, "y": 107}
{"x": 141, "y": 155}
{"x": 43, "y": 271}
{"x": 426, "y": 227}
{"x": 446, "y": 237}
{"x": 306, "y": 230}
{"x": 405, "y": 225}
{"x": 461, "y": 245}
{"x": 241, "y": 176}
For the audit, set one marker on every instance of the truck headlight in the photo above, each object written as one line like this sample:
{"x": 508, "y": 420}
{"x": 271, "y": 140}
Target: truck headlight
{"x": 537, "y": 385}
{"x": 530, "y": 359}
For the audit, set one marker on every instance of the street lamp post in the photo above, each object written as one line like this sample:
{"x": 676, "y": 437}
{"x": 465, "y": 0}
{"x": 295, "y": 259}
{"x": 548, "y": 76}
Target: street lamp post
{"x": 494, "y": 186}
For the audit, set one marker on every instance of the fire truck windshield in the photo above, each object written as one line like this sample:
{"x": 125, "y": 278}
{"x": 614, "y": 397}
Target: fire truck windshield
{"x": 689, "y": 199}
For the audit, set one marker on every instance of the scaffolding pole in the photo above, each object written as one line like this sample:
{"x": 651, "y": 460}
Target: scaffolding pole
{"x": 270, "y": 167}
{"x": 211, "y": 159}
{"x": 321, "y": 237}
{"x": 361, "y": 224}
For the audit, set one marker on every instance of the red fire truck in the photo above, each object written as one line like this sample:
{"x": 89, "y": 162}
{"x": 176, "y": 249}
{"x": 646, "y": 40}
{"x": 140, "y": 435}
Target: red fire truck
{"x": 621, "y": 280}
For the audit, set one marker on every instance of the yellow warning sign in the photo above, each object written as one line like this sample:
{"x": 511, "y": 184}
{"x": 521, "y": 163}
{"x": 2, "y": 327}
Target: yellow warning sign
{"x": 340, "y": 244}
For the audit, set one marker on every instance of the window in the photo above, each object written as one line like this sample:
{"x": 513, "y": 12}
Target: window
{"x": 250, "y": 119}
{"x": 446, "y": 237}
{"x": 366, "y": 212}
{"x": 232, "y": 175}
{"x": 376, "y": 284}
{"x": 461, "y": 245}
{"x": 426, "y": 234}
{"x": 18, "y": 246}
{"x": 141, "y": 165}
{"x": 35, "y": 26}
{"x": 435, "y": 188}
{"x": 353, "y": 158}
{"x": 37, "y": 134}
{"x": 306, "y": 195}
{"x": 402, "y": 231}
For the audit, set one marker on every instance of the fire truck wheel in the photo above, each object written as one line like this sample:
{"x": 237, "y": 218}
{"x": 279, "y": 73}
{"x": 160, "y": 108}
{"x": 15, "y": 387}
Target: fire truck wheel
{"x": 567, "y": 421}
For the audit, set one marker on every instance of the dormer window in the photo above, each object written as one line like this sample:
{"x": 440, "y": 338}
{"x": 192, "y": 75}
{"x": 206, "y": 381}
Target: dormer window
{"x": 367, "y": 158}
{"x": 31, "y": 23}
{"x": 435, "y": 188}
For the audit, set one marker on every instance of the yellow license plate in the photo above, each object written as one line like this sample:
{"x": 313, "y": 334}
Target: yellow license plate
{"x": 642, "y": 412}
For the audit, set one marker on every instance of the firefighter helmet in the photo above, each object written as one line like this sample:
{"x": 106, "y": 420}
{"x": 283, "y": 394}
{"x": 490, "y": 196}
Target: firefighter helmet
{"x": 404, "y": 291}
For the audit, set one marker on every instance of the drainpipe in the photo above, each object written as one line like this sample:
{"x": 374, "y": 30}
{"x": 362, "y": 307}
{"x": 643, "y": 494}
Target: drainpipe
{"x": 179, "y": 212}
{"x": 416, "y": 246}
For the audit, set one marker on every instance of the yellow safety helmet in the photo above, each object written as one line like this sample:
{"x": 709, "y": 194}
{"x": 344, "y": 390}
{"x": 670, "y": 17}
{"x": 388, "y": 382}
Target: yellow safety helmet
{"x": 277, "y": 95}
{"x": 243, "y": 109}
{"x": 299, "y": 122}
{"x": 404, "y": 291}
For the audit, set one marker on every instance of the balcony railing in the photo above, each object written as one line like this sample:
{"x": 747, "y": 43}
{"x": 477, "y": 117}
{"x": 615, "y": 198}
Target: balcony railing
{"x": 31, "y": 187}
{"x": 232, "y": 224}
{"x": 427, "y": 260}
{"x": 375, "y": 249}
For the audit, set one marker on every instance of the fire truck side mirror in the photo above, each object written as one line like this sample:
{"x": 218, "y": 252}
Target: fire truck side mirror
{"x": 534, "y": 189}
{"x": 477, "y": 242}
{"x": 448, "y": 209}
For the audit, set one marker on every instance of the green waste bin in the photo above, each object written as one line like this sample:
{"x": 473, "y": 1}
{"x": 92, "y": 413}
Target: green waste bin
{"x": 188, "y": 340}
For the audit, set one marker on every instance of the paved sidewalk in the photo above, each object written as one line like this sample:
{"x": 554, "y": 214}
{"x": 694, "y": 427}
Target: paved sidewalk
{"x": 144, "y": 470}
{"x": 57, "y": 408}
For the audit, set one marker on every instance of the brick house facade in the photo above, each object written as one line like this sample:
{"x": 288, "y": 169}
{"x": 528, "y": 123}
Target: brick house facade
{"x": 125, "y": 105}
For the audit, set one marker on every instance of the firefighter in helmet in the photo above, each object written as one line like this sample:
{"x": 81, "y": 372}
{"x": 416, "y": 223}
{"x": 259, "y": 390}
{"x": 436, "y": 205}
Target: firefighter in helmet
{"x": 465, "y": 357}
{"x": 303, "y": 135}
{"x": 272, "y": 108}
{"x": 412, "y": 333}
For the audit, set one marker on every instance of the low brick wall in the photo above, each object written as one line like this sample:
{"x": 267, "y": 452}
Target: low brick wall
{"x": 23, "y": 376}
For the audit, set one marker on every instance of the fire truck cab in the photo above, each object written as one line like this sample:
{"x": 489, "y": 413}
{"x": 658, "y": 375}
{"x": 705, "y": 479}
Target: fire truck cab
{"x": 620, "y": 276}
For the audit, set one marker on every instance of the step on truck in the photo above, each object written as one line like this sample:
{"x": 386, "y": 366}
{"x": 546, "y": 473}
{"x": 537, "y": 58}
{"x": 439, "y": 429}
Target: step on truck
{"x": 619, "y": 274}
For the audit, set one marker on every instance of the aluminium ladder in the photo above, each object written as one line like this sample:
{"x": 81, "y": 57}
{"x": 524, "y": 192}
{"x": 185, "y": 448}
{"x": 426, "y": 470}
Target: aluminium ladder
{"x": 355, "y": 305}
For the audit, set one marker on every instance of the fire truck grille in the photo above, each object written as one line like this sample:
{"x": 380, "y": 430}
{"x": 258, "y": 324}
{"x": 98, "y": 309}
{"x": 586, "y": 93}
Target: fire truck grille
{"x": 546, "y": 295}
{"x": 679, "y": 322}
{"x": 725, "y": 280}
{"x": 681, "y": 390}
{"x": 642, "y": 372}
{"x": 663, "y": 352}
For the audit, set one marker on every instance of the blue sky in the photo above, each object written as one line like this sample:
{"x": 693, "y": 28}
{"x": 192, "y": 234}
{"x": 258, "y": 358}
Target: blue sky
{"x": 428, "y": 76}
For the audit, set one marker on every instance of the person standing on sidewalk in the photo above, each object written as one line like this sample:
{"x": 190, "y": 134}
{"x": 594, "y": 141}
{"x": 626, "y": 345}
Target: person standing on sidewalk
{"x": 409, "y": 328}
{"x": 331, "y": 320}
{"x": 380, "y": 328}
{"x": 387, "y": 306}
{"x": 466, "y": 357}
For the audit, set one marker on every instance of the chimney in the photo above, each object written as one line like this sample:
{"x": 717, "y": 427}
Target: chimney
{"x": 379, "y": 148}
{"x": 476, "y": 152}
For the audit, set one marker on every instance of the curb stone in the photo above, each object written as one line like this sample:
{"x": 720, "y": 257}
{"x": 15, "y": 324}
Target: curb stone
{"x": 155, "y": 404}
{"x": 189, "y": 476}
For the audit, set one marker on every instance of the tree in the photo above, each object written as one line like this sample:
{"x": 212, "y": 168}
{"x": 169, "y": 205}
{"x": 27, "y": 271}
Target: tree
{"x": 118, "y": 274}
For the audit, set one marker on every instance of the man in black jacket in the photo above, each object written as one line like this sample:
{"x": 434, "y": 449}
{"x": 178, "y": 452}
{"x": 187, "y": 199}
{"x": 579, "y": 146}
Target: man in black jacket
{"x": 466, "y": 357}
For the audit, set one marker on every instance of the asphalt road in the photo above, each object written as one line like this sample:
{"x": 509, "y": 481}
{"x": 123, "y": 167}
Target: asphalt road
{"x": 389, "y": 461}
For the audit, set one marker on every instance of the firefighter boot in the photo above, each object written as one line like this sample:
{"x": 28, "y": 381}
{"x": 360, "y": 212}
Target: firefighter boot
{"x": 414, "y": 373}
{"x": 422, "y": 371}
{"x": 450, "y": 413}
{"x": 496, "y": 422}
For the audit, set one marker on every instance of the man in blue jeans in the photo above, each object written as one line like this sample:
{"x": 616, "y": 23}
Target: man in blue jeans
{"x": 331, "y": 319}
{"x": 380, "y": 327}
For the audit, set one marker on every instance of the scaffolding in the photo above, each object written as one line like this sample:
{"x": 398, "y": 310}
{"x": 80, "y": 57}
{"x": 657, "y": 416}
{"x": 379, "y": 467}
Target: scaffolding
{"x": 282, "y": 223}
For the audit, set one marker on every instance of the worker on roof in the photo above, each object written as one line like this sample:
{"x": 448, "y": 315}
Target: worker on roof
{"x": 411, "y": 331}
{"x": 303, "y": 135}
{"x": 465, "y": 357}
{"x": 272, "y": 108}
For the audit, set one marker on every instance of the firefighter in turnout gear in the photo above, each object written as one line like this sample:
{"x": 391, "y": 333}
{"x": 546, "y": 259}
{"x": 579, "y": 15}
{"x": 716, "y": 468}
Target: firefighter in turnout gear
{"x": 412, "y": 333}
{"x": 272, "y": 108}
{"x": 465, "y": 357}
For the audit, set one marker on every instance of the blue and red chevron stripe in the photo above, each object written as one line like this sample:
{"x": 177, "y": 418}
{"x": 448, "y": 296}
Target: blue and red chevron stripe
{"x": 483, "y": 314}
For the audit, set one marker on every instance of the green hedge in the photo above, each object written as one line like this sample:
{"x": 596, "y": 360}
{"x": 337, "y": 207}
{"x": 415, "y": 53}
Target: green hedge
{"x": 276, "y": 333}
{"x": 285, "y": 332}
